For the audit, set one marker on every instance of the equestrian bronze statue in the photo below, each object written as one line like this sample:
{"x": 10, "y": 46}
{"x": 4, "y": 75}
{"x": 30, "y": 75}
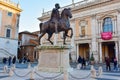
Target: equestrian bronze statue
{"x": 57, "y": 24}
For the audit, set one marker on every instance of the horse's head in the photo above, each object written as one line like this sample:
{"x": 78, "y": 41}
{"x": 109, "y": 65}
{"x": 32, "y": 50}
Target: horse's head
{"x": 66, "y": 12}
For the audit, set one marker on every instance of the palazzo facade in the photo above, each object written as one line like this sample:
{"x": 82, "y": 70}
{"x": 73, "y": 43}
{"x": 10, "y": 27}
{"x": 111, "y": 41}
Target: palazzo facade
{"x": 9, "y": 26}
{"x": 95, "y": 24}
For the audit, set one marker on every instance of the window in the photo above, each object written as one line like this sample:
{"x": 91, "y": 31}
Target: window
{"x": 107, "y": 25}
{"x": 9, "y": 13}
{"x": 8, "y": 32}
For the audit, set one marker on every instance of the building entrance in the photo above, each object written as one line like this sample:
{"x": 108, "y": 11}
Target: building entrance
{"x": 84, "y": 51}
{"x": 108, "y": 49}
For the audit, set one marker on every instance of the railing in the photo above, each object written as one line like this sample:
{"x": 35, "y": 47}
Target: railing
{"x": 80, "y": 4}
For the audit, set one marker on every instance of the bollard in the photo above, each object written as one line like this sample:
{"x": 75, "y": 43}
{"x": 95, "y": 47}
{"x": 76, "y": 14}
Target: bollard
{"x": 79, "y": 66}
{"x": 11, "y": 72}
{"x": 93, "y": 72}
{"x": 65, "y": 75}
{"x": 100, "y": 70}
{"x": 5, "y": 68}
{"x": 92, "y": 67}
{"x": 29, "y": 65}
{"x": 32, "y": 75}
{"x": 14, "y": 67}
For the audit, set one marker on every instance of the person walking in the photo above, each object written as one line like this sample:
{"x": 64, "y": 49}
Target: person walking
{"x": 115, "y": 64}
{"x": 107, "y": 60}
{"x": 9, "y": 60}
{"x": 14, "y": 60}
{"x": 79, "y": 61}
{"x": 83, "y": 63}
{"x": 4, "y": 60}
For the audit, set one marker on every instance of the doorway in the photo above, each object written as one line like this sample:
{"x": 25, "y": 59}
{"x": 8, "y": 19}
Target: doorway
{"x": 84, "y": 51}
{"x": 108, "y": 49}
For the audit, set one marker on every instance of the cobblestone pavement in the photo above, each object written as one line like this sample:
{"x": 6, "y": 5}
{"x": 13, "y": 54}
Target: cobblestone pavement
{"x": 23, "y": 73}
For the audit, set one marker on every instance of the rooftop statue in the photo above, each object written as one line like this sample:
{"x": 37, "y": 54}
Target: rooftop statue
{"x": 56, "y": 24}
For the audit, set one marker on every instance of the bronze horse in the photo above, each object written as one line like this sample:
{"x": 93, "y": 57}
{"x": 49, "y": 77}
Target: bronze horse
{"x": 49, "y": 26}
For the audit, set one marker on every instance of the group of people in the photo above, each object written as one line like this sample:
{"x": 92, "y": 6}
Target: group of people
{"x": 82, "y": 61}
{"x": 10, "y": 60}
{"x": 107, "y": 61}
{"x": 24, "y": 60}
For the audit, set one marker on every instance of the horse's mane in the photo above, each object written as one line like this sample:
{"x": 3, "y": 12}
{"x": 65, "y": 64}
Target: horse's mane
{"x": 62, "y": 13}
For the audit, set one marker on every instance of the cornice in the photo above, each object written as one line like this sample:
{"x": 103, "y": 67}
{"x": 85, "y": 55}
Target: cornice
{"x": 10, "y": 6}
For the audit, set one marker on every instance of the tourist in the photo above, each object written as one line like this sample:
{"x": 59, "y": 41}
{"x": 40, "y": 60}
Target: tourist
{"x": 79, "y": 61}
{"x": 115, "y": 64}
{"x": 83, "y": 63}
{"x": 107, "y": 60}
{"x": 14, "y": 60}
{"x": 9, "y": 60}
{"x": 4, "y": 60}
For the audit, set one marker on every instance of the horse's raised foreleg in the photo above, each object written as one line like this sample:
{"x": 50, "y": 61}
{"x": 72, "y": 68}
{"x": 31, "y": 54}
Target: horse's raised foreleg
{"x": 40, "y": 36}
{"x": 49, "y": 36}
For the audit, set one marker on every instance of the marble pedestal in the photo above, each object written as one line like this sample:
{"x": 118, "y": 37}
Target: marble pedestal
{"x": 53, "y": 58}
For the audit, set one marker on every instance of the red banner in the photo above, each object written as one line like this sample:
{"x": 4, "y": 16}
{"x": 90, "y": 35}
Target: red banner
{"x": 106, "y": 35}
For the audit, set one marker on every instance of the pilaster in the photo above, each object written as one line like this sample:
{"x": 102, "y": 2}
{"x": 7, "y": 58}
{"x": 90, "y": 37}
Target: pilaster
{"x": 93, "y": 30}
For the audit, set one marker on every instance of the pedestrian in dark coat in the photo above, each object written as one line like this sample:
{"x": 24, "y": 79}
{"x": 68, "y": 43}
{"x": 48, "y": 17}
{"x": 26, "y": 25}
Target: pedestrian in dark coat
{"x": 14, "y": 60}
{"x": 108, "y": 64}
{"x": 115, "y": 63}
{"x": 79, "y": 59}
{"x": 9, "y": 60}
{"x": 83, "y": 63}
{"x": 4, "y": 60}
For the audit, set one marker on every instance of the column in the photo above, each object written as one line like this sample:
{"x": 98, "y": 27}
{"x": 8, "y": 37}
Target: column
{"x": 118, "y": 28}
{"x": 73, "y": 38}
{"x": 114, "y": 27}
{"x": 77, "y": 46}
{"x": 100, "y": 52}
{"x": 93, "y": 30}
{"x": 119, "y": 52}
{"x": 116, "y": 50}
{"x": 17, "y": 25}
{"x": 118, "y": 22}
{"x": 90, "y": 51}
{"x": 93, "y": 27}
{"x": 101, "y": 26}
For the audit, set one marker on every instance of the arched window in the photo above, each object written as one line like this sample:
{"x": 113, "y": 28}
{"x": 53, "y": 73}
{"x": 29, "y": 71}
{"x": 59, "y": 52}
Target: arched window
{"x": 107, "y": 25}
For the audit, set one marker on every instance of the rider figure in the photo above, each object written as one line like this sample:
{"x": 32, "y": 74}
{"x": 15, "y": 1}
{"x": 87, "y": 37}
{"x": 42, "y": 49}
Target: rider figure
{"x": 55, "y": 16}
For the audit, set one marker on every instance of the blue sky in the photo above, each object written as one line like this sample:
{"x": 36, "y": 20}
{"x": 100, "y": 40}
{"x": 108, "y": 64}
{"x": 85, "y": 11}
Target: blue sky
{"x": 32, "y": 9}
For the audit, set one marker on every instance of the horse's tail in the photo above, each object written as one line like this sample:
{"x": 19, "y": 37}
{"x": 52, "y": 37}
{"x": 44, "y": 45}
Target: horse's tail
{"x": 40, "y": 25}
